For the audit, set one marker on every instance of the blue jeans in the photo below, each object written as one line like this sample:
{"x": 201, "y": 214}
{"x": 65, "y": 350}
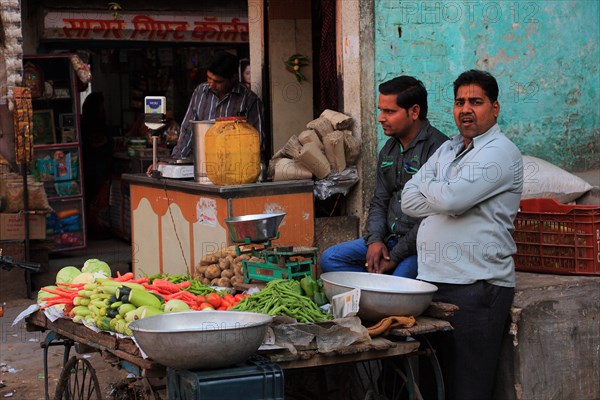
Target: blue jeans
{"x": 352, "y": 255}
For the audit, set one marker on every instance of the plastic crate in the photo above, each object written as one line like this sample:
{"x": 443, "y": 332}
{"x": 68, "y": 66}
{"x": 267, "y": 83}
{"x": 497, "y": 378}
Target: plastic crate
{"x": 256, "y": 380}
{"x": 557, "y": 238}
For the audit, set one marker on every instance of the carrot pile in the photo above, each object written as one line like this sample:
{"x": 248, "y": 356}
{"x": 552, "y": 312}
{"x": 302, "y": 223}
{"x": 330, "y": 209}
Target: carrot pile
{"x": 128, "y": 277}
{"x": 63, "y": 296}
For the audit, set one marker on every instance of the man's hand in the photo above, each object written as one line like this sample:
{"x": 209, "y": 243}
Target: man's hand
{"x": 385, "y": 265}
{"x": 377, "y": 257}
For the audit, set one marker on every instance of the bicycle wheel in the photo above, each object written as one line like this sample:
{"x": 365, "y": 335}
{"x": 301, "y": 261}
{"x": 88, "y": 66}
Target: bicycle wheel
{"x": 78, "y": 381}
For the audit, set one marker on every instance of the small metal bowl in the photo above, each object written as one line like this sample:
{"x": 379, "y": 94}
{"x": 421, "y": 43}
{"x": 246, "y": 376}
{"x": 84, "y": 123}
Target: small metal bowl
{"x": 381, "y": 295}
{"x": 201, "y": 339}
{"x": 254, "y": 228}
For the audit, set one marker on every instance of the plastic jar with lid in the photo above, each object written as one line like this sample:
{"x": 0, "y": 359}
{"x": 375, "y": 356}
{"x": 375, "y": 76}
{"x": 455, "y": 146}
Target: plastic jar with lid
{"x": 232, "y": 149}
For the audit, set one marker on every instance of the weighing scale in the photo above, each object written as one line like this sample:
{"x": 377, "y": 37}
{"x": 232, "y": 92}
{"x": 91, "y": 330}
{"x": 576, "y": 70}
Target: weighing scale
{"x": 278, "y": 262}
{"x": 177, "y": 169}
{"x": 155, "y": 117}
{"x": 253, "y": 235}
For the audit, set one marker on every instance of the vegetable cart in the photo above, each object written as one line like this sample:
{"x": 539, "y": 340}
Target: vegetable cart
{"x": 78, "y": 380}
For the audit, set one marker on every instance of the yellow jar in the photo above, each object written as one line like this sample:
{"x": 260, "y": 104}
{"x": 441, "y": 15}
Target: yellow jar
{"x": 232, "y": 152}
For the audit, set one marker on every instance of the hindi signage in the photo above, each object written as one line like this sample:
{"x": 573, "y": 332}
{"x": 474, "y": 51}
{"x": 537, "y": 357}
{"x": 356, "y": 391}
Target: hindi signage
{"x": 145, "y": 27}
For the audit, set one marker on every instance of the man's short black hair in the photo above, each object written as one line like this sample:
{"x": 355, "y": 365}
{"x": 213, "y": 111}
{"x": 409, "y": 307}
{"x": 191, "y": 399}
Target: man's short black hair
{"x": 480, "y": 78}
{"x": 409, "y": 91}
{"x": 224, "y": 64}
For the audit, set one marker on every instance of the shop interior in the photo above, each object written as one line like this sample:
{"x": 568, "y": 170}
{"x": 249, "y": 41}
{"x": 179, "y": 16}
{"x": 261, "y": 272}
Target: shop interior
{"x": 123, "y": 73}
{"x": 122, "y": 76}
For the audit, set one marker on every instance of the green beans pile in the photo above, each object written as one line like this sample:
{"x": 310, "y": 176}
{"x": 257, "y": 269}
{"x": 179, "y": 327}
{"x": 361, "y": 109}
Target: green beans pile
{"x": 198, "y": 288}
{"x": 280, "y": 297}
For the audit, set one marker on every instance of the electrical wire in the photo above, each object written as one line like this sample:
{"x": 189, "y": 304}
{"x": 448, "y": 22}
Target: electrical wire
{"x": 187, "y": 267}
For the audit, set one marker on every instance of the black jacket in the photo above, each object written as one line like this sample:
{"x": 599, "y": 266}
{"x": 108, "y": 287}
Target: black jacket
{"x": 395, "y": 167}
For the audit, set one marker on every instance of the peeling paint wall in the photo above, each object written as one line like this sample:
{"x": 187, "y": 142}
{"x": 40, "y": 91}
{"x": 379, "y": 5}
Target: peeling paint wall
{"x": 544, "y": 54}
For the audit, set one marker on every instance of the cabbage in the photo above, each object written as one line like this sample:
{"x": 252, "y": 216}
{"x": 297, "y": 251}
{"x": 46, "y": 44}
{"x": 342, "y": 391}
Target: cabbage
{"x": 42, "y": 294}
{"x": 67, "y": 274}
{"x": 94, "y": 266}
{"x": 175, "y": 305}
{"x": 84, "y": 277}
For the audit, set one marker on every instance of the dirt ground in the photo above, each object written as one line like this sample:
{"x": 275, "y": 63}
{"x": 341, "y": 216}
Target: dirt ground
{"x": 22, "y": 360}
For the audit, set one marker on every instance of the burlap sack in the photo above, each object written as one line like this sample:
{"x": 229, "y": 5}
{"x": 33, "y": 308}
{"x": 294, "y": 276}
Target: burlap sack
{"x": 290, "y": 149}
{"x": 338, "y": 120}
{"x": 320, "y": 125}
{"x": 288, "y": 170}
{"x": 37, "y": 199}
{"x": 313, "y": 159}
{"x": 5, "y": 179}
{"x": 351, "y": 148}
{"x": 310, "y": 135}
{"x": 334, "y": 150}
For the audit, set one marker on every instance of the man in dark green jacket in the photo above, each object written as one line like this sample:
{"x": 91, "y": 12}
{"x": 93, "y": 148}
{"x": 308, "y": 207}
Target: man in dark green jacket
{"x": 389, "y": 245}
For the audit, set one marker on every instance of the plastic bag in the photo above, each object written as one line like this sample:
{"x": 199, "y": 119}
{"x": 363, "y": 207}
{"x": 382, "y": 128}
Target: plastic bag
{"x": 336, "y": 182}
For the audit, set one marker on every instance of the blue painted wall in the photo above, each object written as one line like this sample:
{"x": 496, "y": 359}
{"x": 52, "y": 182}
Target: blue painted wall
{"x": 544, "y": 54}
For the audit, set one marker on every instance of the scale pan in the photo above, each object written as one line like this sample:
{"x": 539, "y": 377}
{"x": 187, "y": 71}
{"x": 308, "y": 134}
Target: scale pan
{"x": 254, "y": 228}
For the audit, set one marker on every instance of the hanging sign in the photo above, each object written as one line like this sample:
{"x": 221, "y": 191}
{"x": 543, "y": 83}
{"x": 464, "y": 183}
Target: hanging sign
{"x": 23, "y": 115}
{"x": 94, "y": 25}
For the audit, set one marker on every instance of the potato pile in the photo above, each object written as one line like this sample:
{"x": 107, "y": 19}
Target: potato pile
{"x": 223, "y": 267}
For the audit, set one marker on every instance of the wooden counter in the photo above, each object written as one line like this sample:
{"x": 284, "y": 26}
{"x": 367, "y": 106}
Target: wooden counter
{"x": 174, "y": 223}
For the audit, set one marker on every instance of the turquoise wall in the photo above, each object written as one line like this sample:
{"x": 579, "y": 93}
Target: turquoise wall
{"x": 543, "y": 53}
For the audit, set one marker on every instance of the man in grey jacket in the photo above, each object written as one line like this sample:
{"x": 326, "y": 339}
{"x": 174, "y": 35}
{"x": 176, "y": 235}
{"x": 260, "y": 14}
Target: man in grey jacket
{"x": 389, "y": 245}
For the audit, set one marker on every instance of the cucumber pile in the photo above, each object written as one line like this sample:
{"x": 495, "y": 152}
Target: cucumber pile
{"x": 112, "y": 305}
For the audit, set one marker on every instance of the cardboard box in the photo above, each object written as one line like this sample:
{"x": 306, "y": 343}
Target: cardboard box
{"x": 12, "y": 226}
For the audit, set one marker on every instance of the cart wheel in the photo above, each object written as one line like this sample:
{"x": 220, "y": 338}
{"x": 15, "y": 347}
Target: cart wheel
{"x": 78, "y": 381}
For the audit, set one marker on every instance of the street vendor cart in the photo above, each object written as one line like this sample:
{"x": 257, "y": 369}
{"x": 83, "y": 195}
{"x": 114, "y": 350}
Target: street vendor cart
{"x": 78, "y": 379}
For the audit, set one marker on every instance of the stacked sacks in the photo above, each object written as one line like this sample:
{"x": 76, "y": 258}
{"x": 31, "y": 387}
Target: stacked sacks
{"x": 327, "y": 146}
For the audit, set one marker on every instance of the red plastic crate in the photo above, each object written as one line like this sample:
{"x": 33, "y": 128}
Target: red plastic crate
{"x": 557, "y": 238}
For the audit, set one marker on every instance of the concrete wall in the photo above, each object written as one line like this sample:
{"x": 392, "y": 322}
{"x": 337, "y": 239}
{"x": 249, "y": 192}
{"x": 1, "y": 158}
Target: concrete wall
{"x": 291, "y": 101}
{"x": 543, "y": 53}
{"x": 553, "y": 349}
{"x": 355, "y": 51}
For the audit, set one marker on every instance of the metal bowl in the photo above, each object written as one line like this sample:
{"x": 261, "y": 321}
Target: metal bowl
{"x": 254, "y": 228}
{"x": 381, "y": 295}
{"x": 201, "y": 339}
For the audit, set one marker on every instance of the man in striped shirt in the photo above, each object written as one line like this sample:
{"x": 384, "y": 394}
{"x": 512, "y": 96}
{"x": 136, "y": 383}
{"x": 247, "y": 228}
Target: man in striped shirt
{"x": 221, "y": 96}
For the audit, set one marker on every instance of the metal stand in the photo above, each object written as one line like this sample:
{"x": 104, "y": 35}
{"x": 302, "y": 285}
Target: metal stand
{"x": 155, "y": 172}
{"x": 54, "y": 339}
{"x": 26, "y": 216}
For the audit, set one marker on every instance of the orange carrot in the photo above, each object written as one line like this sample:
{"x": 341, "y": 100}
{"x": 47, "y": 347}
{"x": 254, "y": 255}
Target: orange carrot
{"x": 123, "y": 278}
{"x": 141, "y": 280}
{"x": 184, "y": 284}
{"x": 165, "y": 285}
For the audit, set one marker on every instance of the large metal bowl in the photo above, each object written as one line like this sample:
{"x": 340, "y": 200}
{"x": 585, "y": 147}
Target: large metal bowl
{"x": 201, "y": 339}
{"x": 381, "y": 295}
{"x": 255, "y": 228}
